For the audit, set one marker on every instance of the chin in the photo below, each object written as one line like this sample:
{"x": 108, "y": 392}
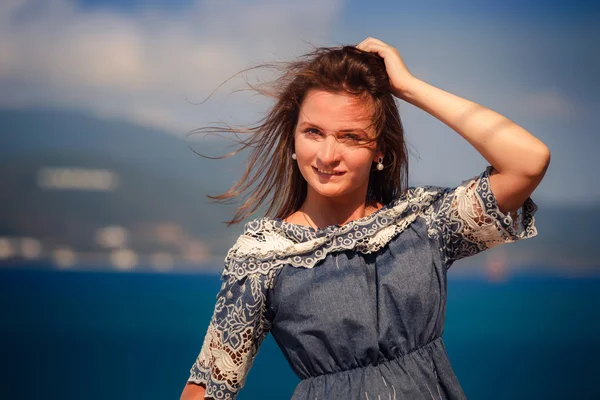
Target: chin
{"x": 330, "y": 194}
{"x": 334, "y": 188}
{"x": 330, "y": 191}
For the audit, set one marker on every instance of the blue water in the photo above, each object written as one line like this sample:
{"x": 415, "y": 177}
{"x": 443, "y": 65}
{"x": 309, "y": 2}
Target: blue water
{"x": 76, "y": 335}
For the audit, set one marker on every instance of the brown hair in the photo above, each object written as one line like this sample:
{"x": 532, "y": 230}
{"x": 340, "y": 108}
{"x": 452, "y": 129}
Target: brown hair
{"x": 271, "y": 176}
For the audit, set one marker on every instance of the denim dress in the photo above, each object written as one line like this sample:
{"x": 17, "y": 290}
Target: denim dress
{"x": 358, "y": 310}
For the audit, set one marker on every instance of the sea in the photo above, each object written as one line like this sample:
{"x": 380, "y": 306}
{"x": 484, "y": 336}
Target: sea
{"x": 113, "y": 335}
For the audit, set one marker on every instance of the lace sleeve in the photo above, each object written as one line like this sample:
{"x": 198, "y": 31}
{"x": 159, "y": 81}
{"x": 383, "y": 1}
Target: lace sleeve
{"x": 470, "y": 221}
{"x": 235, "y": 332}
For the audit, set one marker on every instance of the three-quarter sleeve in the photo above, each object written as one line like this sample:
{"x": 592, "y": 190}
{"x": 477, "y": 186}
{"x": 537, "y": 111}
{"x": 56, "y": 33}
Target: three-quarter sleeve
{"x": 469, "y": 220}
{"x": 235, "y": 332}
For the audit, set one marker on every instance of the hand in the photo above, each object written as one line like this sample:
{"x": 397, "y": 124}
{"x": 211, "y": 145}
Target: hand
{"x": 400, "y": 77}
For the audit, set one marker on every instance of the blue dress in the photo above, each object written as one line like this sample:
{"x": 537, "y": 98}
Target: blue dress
{"x": 358, "y": 310}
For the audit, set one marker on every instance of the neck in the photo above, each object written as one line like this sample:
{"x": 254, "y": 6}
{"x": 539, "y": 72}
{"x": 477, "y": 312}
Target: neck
{"x": 325, "y": 211}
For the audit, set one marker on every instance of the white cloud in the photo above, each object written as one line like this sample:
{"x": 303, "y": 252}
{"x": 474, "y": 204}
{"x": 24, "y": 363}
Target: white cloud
{"x": 144, "y": 65}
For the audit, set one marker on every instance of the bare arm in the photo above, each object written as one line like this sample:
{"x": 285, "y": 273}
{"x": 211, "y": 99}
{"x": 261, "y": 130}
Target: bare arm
{"x": 519, "y": 159}
{"x": 192, "y": 391}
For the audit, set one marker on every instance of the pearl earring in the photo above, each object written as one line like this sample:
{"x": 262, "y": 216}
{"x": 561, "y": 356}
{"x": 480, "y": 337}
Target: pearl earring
{"x": 293, "y": 156}
{"x": 380, "y": 164}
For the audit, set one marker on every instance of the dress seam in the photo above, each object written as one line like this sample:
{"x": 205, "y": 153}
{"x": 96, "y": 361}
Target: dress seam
{"x": 400, "y": 356}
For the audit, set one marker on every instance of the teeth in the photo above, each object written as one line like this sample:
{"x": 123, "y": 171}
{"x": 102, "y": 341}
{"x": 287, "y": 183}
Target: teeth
{"x": 328, "y": 172}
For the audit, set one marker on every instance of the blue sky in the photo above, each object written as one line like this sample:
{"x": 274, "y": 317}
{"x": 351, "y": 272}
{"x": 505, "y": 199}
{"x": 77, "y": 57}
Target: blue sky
{"x": 534, "y": 61}
{"x": 358, "y": 7}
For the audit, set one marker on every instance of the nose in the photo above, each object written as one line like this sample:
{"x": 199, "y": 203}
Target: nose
{"x": 328, "y": 151}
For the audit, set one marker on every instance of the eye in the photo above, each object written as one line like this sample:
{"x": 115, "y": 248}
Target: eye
{"x": 352, "y": 138}
{"x": 312, "y": 132}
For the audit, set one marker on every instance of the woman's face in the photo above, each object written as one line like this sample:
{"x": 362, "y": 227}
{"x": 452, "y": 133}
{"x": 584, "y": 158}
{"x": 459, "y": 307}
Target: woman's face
{"x": 332, "y": 144}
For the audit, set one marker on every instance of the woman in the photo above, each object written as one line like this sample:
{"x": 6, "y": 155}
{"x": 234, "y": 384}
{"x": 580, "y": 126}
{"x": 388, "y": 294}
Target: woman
{"x": 350, "y": 274}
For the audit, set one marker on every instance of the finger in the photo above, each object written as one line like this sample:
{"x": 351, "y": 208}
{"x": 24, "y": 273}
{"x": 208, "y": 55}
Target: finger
{"x": 373, "y": 40}
{"x": 362, "y": 44}
{"x": 375, "y": 46}
{"x": 368, "y": 40}
{"x": 365, "y": 45}
{"x": 380, "y": 49}
{"x": 377, "y": 41}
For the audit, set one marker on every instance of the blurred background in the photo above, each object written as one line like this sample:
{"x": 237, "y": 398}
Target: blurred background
{"x": 110, "y": 251}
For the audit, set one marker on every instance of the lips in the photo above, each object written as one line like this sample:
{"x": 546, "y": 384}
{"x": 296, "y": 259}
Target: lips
{"x": 327, "y": 173}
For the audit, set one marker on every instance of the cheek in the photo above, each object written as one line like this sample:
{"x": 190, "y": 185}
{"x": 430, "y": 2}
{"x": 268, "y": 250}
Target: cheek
{"x": 304, "y": 157}
{"x": 305, "y": 150}
{"x": 360, "y": 161}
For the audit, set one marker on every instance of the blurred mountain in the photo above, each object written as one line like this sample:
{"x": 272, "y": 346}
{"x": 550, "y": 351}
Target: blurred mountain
{"x": 162, "y": 181}
{"x": 74, "y": 136}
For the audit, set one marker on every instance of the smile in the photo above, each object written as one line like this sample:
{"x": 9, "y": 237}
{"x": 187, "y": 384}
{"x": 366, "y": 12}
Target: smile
{"x": 328, "y": 173}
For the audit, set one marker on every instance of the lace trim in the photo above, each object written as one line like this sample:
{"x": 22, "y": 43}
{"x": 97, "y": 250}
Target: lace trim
{"x": 234, "y": 335}
{"x": 267, "y": 244}
{"x": 467, "y": 217}
{"x": 470, "y": 221}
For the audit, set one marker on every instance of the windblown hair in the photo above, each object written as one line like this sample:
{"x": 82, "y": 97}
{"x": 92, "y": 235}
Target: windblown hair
{"x": 271, "y": 177}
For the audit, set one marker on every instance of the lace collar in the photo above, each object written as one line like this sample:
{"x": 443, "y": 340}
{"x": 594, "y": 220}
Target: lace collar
{"x": 268, "y": 243}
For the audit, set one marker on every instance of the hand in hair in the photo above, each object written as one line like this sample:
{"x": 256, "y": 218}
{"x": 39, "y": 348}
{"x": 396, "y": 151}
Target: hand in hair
{"x": 400, "y": 77}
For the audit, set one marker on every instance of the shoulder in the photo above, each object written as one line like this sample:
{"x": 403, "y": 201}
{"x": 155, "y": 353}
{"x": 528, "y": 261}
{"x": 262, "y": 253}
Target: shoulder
{"x": 257, "y": 250}
{"x": 431, "y": 198}
{"x": 416, "y": 200}
{"x": 261, "y": 237}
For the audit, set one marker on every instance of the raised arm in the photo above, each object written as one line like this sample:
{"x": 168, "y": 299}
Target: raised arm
{"x": 518, "y": 158}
